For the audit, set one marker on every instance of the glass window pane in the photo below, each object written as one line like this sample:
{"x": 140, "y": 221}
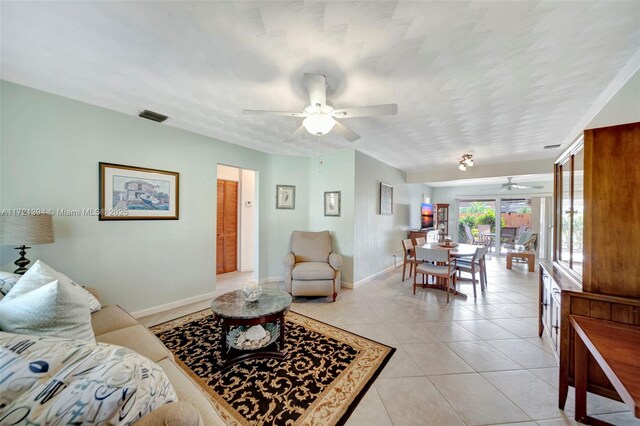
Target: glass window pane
{"x": 578, "y": 211}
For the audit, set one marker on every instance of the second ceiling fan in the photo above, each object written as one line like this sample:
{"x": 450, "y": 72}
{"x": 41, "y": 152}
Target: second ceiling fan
{"x": 320, "y": 117}
{"x": 510, "y": 185}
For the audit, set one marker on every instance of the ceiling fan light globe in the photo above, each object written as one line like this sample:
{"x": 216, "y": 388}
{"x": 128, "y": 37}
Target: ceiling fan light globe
{"x": 462, "y": 167}
{"x": 319, "y": 124}
{"x": 470, "y": 163}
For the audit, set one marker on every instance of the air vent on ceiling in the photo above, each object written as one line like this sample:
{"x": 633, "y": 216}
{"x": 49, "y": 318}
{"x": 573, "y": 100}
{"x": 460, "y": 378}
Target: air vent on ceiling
{"x": 153, "y": 116}
{"x": 551, "y": 146}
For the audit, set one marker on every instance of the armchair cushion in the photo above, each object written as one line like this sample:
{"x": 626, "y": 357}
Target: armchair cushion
{"x": 312, "y": 271}
{"x": 311, "y": 246}
{"x": 335, "y": 260}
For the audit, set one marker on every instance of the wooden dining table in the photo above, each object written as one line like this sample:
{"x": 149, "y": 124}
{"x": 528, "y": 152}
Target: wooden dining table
{"x": 457, "y": 251}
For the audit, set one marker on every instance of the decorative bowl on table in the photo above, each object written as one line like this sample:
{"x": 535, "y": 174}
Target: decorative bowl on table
{"x": 255, "y": 337}
{"x": 448, "y": 243}
{"x": 252, "y": 292}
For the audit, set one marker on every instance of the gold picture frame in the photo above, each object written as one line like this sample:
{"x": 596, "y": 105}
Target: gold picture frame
{"x": 137, "y": 193}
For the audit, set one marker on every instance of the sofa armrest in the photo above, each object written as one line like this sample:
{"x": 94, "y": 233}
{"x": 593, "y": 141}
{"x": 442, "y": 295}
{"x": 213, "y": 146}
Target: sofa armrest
{"x": 335, "y": 260}
{"x": 95, "y": 292}
{"x": 172, "y": 414}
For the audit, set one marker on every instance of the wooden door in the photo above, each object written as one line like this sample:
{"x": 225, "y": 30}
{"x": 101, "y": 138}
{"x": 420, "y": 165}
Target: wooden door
{"x": 227, "y": 227}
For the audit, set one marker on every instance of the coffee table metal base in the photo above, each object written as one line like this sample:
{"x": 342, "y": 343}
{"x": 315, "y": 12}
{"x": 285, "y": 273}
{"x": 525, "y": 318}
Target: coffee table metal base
{"x": 231, "y": 356}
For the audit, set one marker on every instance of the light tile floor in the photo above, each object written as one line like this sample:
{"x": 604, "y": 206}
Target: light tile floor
{"x": 467, "y": 362}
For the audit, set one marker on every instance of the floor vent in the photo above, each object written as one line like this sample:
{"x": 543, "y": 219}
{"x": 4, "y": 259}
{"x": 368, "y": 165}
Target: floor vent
{"x": 551, "y": 146}
{"x": 153, "y": 116}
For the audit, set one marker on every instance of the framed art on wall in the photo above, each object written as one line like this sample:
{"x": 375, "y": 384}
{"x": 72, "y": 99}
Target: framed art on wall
{"x": 137, "y": 193}
{"x": 386, "y": 199}
{"x": 285, "y": 197}
{"x": 332, "y": 203}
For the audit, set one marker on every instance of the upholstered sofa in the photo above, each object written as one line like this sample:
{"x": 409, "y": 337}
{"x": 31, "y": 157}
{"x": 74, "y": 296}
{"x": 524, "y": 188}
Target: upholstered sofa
{"x": 114, "y": 325}
{"x": 311, "y": 268}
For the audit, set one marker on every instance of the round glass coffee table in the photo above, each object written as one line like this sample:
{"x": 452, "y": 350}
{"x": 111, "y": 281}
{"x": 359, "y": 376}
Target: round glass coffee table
{"x": 236, "y": 316}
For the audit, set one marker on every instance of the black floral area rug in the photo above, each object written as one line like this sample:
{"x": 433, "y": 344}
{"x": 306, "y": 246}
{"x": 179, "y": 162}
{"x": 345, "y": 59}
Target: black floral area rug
{"x": 323, "y": 376}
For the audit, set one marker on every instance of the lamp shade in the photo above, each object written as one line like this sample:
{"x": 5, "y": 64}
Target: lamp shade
{"x": 26, "y": 229}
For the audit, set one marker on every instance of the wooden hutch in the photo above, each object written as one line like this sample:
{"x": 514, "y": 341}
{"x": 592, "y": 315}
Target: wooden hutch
{"x": 596, "y": 261}
{"x": 441, "y": 213}
{"x": 440, "y": 223}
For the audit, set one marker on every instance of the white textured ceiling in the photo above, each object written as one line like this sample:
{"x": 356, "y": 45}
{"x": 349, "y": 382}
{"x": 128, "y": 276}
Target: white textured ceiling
{"x": 499, "y": 79}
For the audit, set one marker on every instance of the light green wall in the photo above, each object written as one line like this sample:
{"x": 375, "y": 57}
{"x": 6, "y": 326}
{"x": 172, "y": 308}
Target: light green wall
{"x": 378, "y": 237}
{"x": 335, "y": 172}
{"x": 49, "y": 154}
{"x": 275, "y": 236}
{"x": 50, "y": 149}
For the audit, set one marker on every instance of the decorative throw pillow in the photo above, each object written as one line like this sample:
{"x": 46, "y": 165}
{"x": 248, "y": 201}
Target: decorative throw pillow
{"x": 49, "y": 380}
{"x": 53, "y": 309}
{"x": 40, "y": 273}
{"x": 7, "y": 281}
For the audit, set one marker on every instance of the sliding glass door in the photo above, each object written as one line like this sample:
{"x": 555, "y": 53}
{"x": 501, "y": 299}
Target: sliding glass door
{"x": 476, "y": 220}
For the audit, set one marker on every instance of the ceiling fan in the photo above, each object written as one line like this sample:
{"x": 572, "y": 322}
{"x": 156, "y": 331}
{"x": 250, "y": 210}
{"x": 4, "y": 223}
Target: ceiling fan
{"x": 320, "y": 117}
{"x": 510, "y": 185}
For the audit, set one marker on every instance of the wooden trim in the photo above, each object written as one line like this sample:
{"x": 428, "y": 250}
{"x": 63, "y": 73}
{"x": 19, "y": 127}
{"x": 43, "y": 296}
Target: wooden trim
{"x": 573, "y": 148}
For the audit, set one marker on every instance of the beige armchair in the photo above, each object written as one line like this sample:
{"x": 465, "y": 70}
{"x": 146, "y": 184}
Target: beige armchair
{"x": 311, "y": 269}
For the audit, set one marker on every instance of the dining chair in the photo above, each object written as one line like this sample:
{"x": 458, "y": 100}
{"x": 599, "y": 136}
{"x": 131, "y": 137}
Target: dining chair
{"x": 484, "y": 234}
{"x": 437, "y": 263}
{"x": 473, "y": 265}
{"x": 409, "y": 257}
{"x": 508, "y": 234}
{"x": 471, "y": 239}
{"x": 484, "y": 229}
{"x": 420, "y": 241}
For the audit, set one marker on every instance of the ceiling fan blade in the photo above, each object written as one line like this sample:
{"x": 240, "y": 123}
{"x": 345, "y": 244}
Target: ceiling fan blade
{"x": 366, "y": 111}
{"x": 345, "y": 132}
{"x": 527, "y": 186}
{"x": 297, "y": 133}
{"x": 316, "y": 85}
{"x": 263, "y": 112}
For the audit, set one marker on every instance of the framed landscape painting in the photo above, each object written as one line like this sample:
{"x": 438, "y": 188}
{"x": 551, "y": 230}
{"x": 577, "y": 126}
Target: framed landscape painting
{"x": 332, "y": 203}
{"x": 285, "y": 197}
{"x": 137, "y": 193}
{"x": 386, "y": 199}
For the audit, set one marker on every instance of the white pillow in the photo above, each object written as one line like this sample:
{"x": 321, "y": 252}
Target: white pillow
{"x": 40, "y": 273}
{"x": 54, "y": 309}
{"x": 50, "y": 380}
{"x": 7, "y": 281}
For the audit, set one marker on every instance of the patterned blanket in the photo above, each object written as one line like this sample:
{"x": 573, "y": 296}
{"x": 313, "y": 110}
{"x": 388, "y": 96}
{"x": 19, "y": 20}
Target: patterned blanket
{"x": 56, "y": 381}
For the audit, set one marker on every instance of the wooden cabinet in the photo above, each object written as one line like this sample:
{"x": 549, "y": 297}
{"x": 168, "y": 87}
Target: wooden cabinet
{"x": 442, "y": 217}
{"x": 612, "y": 216}
{"x": 596, "y": 238}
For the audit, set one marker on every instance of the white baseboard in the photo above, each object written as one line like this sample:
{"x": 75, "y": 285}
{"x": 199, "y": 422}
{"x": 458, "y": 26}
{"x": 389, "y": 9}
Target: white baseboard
{"x": 365, "y": 280}
{"x": 270, "y": 280}
{"x": 172, "y": 305}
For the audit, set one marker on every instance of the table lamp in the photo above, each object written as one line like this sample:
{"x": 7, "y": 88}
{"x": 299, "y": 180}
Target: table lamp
{"x": 25, "y": 230}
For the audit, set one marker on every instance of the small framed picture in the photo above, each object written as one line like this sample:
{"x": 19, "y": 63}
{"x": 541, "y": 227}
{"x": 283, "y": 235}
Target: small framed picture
{"x": 332, "y": 203}
{"x": 386, "y": 199}
{"x": 137, "y": 193}
{"x": 285, "y": 197}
